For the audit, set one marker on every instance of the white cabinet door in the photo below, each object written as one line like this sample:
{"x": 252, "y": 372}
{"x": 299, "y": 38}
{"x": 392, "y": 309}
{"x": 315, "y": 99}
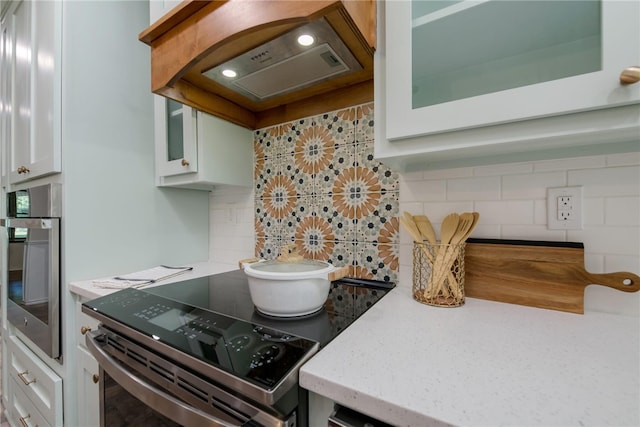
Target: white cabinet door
{"x": 5, "y": 94}
{"x": 195, "y": 150}
{"x": 34, "y": 145}
{"x": 493, "y": 62}
{"x": 175, "y": 134}
{"x": 41, "y": 385}
{"x": 88, "y": 389}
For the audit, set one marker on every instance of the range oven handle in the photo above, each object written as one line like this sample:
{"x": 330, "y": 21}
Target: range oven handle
{"x": 153, "y": 397}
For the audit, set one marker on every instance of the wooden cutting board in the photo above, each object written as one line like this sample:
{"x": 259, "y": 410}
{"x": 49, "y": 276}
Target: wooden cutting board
{"x": 535, "y": 273}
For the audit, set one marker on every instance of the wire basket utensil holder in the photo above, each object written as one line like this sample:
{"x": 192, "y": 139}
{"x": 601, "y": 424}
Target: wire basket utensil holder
{"x": 438, "y": 274}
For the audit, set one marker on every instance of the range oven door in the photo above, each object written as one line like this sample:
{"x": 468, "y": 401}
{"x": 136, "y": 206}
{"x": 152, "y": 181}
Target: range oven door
{"x": 33, "y": 280}
{"x": 139, "y": 387}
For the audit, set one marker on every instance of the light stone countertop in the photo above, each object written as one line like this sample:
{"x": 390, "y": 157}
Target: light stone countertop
{"x": 482, "y": 364}
{"x": 86, "y": 288}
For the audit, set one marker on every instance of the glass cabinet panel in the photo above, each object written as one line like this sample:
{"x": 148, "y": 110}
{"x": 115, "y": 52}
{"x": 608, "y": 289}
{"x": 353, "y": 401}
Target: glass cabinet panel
{"x": 175, "y": 130}
{"x": 451, "y": 66}
{"x": 484, "y": 47}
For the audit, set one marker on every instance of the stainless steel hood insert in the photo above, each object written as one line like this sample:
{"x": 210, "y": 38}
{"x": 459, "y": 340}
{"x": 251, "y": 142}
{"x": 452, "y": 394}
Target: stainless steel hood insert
{"x": 282, "y": 65}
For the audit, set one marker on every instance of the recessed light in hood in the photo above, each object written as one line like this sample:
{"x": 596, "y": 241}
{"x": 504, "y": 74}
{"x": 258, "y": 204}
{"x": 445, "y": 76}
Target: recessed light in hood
{"x": 283, "y": 65}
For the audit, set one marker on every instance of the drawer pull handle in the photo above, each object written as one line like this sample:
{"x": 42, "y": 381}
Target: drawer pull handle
{"x": 96, "y": 378}
{"x": 23, "y": 420}
{"x": 22, "y": 376}
{"x": 185, "y": 162}
{"x": 84, "y": 330}
{"x": 630, "y": 75}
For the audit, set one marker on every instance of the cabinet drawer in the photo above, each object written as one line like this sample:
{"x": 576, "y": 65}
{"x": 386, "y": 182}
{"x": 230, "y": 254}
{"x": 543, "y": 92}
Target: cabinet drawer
{"x": 41, "y": 385}
{"x": 22, "y": 411}
{"x": 84, "y": 324}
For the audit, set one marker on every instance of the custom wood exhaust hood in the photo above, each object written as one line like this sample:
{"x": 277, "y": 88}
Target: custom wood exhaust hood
{"x": 193, "y": 44}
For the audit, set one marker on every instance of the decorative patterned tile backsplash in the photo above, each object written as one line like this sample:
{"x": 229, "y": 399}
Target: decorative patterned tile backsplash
{"x": 318, "y": 185}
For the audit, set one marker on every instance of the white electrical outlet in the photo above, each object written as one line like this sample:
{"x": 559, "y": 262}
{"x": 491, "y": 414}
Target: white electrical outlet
{"x": 564, "y": 208}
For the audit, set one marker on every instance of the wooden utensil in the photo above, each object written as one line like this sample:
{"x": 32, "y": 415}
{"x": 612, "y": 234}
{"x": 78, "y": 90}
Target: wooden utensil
{"x": 426, "y": 228}
{"x": 409, "y": 223}
{"x": 535, "y": 273}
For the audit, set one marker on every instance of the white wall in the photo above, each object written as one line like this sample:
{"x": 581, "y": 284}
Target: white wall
{"x": 512, "y": 201}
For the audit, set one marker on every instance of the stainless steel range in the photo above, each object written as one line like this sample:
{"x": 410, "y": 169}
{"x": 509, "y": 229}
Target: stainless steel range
{"x": 197, "y": 353}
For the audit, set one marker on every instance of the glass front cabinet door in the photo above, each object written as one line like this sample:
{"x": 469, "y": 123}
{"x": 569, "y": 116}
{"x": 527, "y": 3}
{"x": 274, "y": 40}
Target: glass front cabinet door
{"x": 176, "y": 143}
{"x": 454, "y": 65}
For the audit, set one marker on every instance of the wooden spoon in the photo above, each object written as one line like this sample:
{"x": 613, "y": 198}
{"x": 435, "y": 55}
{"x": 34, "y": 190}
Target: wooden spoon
{"x": 427, "y": 231}
{"x": 411, "y": 227}
{"x": 449, "y": 227}
{"x": 467, "y": 224}
{"x": 447, "y": 231}
{"x": 426, "y": 228}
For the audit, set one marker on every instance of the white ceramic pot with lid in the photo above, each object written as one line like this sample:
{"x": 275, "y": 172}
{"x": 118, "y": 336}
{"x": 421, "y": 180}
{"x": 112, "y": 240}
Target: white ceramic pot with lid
{"x": 290, "y": 288}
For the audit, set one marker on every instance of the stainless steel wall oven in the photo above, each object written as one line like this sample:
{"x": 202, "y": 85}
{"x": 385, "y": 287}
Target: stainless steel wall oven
{"x": 32, "y": 226}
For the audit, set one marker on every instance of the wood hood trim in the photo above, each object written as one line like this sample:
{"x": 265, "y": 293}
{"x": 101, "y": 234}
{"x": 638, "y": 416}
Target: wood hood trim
{"x": 198, "y": 35}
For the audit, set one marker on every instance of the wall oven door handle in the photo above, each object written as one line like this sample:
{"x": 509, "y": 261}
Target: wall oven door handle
{"x": 39, "y": 223}
{"x": 153, "y": 397}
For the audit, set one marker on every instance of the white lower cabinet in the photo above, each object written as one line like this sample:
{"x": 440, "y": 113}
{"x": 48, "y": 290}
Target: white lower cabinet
{"x": 22, "y": 411}
{"x": 88, "y": 371}
{"x": 88, "y": 389}
{"x": 35, "y": 389}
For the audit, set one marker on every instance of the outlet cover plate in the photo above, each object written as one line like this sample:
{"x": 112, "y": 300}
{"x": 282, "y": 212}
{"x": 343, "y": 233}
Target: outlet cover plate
{"x": 564, "y": 208}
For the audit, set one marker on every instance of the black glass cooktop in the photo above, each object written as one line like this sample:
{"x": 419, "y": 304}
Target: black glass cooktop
{"x": 228, "y": 293}
{"x": 213, "y": 319}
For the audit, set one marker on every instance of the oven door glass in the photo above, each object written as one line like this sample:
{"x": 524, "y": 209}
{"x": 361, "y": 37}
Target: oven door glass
{"x": 33, "y": 279}
{"x": 120, "y": 408}
{"x": 33, "y": 264}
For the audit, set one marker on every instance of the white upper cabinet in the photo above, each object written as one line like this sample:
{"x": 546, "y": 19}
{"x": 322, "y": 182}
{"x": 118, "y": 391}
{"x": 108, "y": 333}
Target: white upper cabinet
{"x": 460, "y": 80}
{"x": 176, "y": 144}
{"x": 34, "y": 52}
{"x": 198, "y": 151}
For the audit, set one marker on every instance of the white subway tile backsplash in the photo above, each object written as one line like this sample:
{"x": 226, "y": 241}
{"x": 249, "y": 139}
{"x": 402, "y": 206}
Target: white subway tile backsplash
{"x": 569, "y": 164}
{"x": 448, "y": 173}
{"x": 484, "y": 231}
{"x": 423, "y": 191}
{"x": 530, "y": 186}
{"x": 540, "y": 211}
{"x": 506, "y": 211}
{"x": 437, "y": 211}
{"x": 474, "y": 188}
{"x": 531, "y": 232}
{"x": 622, "y": 211}
{"x": 607, "y": 182}
{"x": 609, "y": 240}
{"x": 624, "y": 159}
{"x": 593, "y": 211}
{"x": 503, "y": 169}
